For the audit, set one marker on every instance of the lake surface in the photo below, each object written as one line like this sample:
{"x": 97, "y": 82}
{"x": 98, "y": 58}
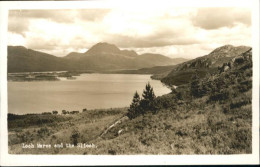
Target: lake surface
{"x": 91, "y": 91}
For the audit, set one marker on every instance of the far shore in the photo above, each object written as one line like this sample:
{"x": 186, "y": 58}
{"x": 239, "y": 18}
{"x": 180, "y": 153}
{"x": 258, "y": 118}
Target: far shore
{"x": 61, "y": 75}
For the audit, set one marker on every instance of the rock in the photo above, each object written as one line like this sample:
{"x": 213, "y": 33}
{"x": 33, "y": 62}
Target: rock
{"x": 120, "y": 131}
{"x": 226, "y": 68}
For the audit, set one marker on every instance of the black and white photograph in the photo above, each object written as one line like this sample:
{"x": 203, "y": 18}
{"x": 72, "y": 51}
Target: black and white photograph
{"x": 126, "y": 80}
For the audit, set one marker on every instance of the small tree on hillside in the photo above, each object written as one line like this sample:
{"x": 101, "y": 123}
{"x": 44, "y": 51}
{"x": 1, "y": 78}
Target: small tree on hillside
{"x": 75, "y": 137}
{"x": 148, "y": 98}
{"x": 133, "y": 110}
{"x": 194, "y": 86}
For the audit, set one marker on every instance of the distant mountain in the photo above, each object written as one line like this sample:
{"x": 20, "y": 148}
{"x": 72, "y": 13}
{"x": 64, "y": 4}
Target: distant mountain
{"x": 104, "y": 56}
{"x": 129, "y": 53}
{"x": 103, "y": 48}
{"x": 21, "y": 59}
{"x": 155, "y": 59}
{"x": 210, "y": 63}
{"x": 100, "y": 57}
{"x": 74, "y": 56}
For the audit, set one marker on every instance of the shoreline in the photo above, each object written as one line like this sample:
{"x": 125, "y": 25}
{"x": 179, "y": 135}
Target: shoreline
{"x": 55, "y": 76}
{"x": 60, "y": 113}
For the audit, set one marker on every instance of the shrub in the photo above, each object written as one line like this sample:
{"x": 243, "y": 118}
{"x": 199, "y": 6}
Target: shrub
{"x": 42, "y": 132}
{"x": 75, "y": 137}
{"x": 55, "y": 112}
{"x": 64, "y": 112}
{"x": 240, "y": 102}
{"x": 194, "y": 86}
{"x": 112, "y": 152}
{"x": 164, "y": 102}
{"x": 25, "y": 137}
{"x": 224, "y": 94}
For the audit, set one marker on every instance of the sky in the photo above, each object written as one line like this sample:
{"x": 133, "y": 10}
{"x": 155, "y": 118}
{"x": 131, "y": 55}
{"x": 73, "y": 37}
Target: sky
{"x": 174, "y": 32}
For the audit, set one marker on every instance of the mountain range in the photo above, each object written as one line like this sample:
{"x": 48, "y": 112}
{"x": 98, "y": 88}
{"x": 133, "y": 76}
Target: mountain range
{"x": 100, "y": 57}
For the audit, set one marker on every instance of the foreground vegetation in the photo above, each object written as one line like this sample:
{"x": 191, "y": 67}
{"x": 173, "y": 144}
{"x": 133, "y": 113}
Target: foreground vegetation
{"x": 212, "y": 114}
{"x": 33, "y": 129}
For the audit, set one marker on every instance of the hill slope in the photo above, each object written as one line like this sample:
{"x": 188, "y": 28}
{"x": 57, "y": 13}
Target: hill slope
{"x": 204, "y": 65}
{"x": 217, "y": 121}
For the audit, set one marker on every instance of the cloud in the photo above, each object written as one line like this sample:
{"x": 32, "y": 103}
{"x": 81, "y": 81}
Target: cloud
{"x": 177, "y": 51}
{"x": 92, "y": 14}
{"x": 214, "y": 18}
{"x": 18, "y": 26}
{"x": 149, "y": 28}
{"x": 20, "y": 20}
{"x": 149, "y": 41}
{"x": 16, "y": 39}
{"x": 174, "y": 32}
{"x": 61, "y": 16}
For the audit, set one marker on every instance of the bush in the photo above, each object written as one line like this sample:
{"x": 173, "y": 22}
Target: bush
{"x": 224, "y": 94}
{"x": 75, "y": 137}
{"x": 112, "y": 152}
{"x": 42, "y": 132}
{"x": 195, "y": 86}
{"x": 240, "y": 102}
{"x": 55, "y": 112}
{"x": 25, "y": 137}
{"x": 164, "y": 102}
{"x": 244, "y": 86}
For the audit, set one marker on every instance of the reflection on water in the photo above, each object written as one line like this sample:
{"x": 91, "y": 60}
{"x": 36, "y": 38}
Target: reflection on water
{"x": 91, "y": 91}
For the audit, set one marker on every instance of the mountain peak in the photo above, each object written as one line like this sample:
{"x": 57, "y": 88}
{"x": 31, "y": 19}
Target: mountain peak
{"x": 224, "y": 48}
{"x": 228, "y": 51}
{"x": 103, "y": 47}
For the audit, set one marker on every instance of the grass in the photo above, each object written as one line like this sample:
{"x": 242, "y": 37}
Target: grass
{"x": 183, "y": 77}
{"x": 90, "y": 125}
{"x": 186, "y": 130}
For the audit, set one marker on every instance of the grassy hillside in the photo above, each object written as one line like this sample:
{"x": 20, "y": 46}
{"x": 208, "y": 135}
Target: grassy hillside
{"x": 209, "y": 115}
{"x": 216, "y": 121}
{"x": 57, "y": 129}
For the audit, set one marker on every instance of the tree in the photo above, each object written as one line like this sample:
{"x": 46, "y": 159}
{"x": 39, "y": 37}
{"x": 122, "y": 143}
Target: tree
{"x": 64, "y": 112}
{"x": 148, "y": 98}
{"x": 145, "y": 104}
{"x": 194, "y": 86}
{"x": 133, "y": 110}
{"x": 55, "y": 112}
